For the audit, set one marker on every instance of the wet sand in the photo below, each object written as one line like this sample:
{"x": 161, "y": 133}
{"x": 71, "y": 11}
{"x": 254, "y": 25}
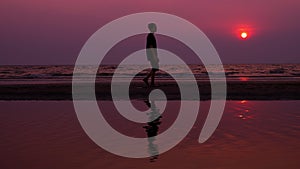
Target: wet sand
{"x": 236, "y": 90}
{"x": 251, "y": 134}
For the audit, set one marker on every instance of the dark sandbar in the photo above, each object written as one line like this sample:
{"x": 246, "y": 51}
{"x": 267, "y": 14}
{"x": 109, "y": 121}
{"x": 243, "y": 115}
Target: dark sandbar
{"x": 236, "y": 90}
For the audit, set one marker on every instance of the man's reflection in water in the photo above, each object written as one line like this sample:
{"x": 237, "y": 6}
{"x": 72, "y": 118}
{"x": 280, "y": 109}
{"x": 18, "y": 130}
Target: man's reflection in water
{"x": 152, "y": 129}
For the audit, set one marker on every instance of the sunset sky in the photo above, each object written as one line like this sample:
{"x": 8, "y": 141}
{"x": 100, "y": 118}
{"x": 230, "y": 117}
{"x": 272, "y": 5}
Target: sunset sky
{"x": 53, "y": 31}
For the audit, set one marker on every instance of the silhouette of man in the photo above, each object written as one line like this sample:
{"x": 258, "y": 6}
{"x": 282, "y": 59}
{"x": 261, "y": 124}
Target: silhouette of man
{"x": 151, "y": 52}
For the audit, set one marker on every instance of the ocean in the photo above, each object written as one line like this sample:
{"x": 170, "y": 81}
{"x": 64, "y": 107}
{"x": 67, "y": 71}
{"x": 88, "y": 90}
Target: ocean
{"x": 63, "y": 73}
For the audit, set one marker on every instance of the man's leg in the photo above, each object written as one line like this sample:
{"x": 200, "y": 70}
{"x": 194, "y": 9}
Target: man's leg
{"x": 147, "y": 77}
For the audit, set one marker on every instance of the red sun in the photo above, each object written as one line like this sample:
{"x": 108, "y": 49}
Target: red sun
{"x": 244, "y": 35}
{"x": 244, "y": 31}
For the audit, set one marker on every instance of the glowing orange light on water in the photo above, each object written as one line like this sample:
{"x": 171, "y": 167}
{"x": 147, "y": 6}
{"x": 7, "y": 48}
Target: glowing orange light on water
{"x": 244, "y": 79}
{"x": 244, "y": 101}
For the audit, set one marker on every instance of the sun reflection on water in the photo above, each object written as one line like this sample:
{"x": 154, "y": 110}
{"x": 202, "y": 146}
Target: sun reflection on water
{"x": 244, "y": 112}
{"x": 243, "y": 79}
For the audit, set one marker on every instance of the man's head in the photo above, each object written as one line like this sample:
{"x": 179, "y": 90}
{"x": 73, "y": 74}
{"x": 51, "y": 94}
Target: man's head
{"x": 152, "y": 27}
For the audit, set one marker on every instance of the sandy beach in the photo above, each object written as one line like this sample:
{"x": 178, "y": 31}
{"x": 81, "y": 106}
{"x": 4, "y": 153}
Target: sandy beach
{"x": 251, "y": 134}
{"x": 236, "y": 90}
